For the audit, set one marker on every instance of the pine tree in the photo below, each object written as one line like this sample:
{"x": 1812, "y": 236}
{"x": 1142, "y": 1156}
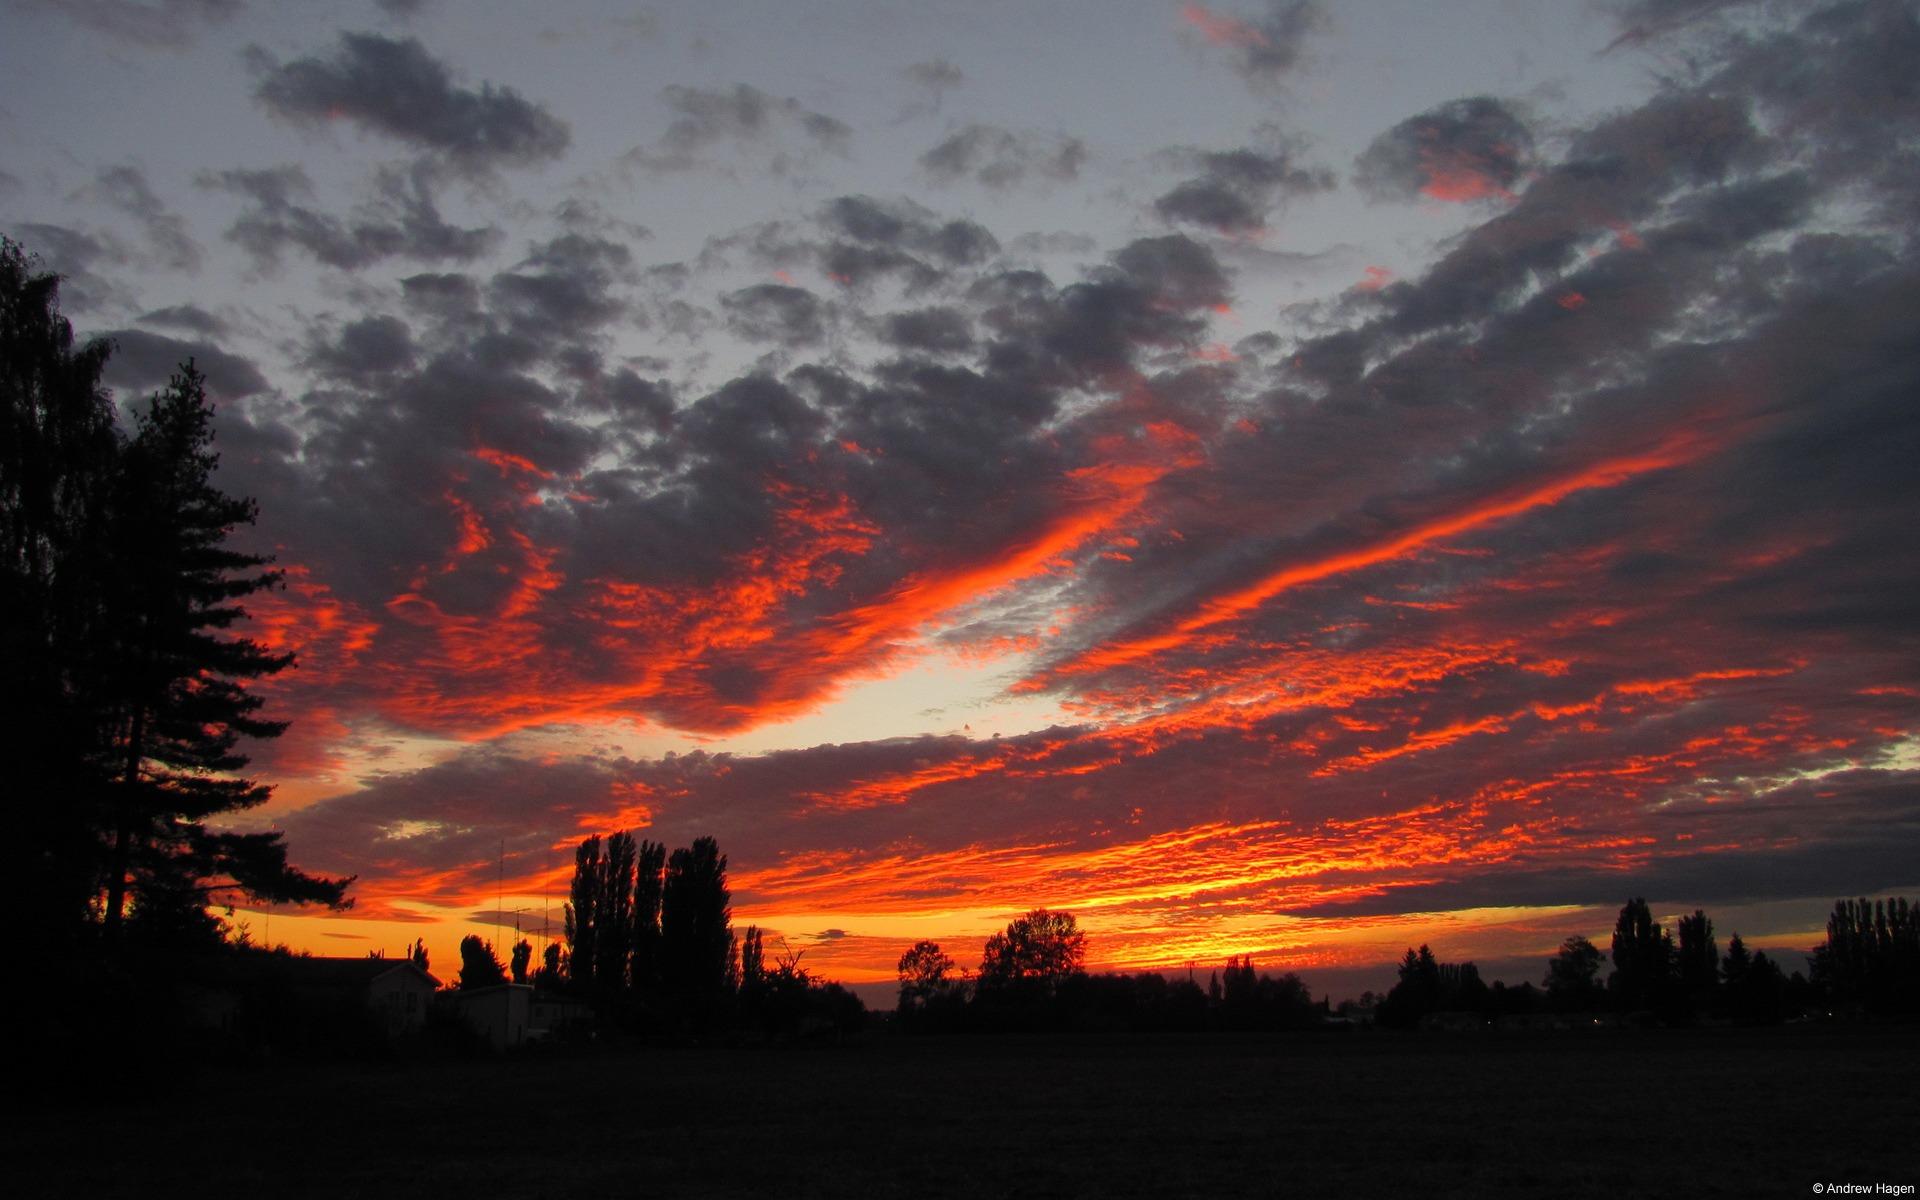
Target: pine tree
{"x": 118, "y": 593}
{"x": 176, "y": 698}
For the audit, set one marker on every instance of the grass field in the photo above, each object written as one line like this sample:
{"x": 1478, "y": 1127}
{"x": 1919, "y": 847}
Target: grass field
{"x": 1615, "y": 1114}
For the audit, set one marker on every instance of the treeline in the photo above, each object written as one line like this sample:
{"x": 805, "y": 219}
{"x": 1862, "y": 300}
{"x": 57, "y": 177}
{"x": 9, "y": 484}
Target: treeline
{"x": 1032, "y": 978}
{"x": 1868, "y": 965}
{"x": 650, "y": 946}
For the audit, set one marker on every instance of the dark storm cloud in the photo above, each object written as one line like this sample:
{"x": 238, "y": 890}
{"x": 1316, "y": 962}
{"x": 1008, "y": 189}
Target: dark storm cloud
{"x": 142, "y": 362}
{"x": 169, "y": 23}
{"x": 126, "y": 189}
{"x": 1235, "y": 190}
{"x": 394, "y": 87}
{"x": 1003, "y": 158}
{"x": 772, "y": 312}
{"x": 704, "y": 118}
{"x": 1469, "y": 149}
{"x": 403, "y": 221}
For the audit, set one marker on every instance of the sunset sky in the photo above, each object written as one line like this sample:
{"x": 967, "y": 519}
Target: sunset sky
{"x": 1300, "y": 479}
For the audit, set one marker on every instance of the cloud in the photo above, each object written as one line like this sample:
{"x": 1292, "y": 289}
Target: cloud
{"x": 1000, "y": 158}
{"x": 126, "y": 189}
{"x": 1442, "y": 594}
{"x": 1235, "y": 190}
{"x": 706, "y": 118}
{"x": 74, "y": 255}
{"x": 930, "y": 330}
{"x": 1642, "y": 21}
{"x": 173, "y": 24}
{"x": 402, "y": 221}
{"x": 190, "y": 317}
{"x": 935, "y": 74}
{"x": 143, "y": 361}
{"x": 393, "y": 87}
{"x": 771, "y": 312}
{"x": 1266, "y": 48}
{"x": 1470, "y": 149}
{"x": 363, "y": 349}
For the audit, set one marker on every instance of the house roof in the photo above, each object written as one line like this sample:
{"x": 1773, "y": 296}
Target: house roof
{"x": 327, "y": 972}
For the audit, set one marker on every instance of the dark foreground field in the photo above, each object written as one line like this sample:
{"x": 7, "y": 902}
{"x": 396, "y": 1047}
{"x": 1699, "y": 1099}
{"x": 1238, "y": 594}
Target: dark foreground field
{"x": 1703, "y": 1113}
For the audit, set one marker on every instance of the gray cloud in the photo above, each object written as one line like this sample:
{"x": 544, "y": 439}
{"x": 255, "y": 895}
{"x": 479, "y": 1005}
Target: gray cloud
{"x": 772, "y": 312}
{"x": 743, "y": 115}
{"x": 1235, "y": 190}
{"x": 1003, "y": 158}
{"x": 142, "y": 361}
{"x": 190, "y": 317}
{"x": 1268, "y": 48}
{"x": 1468, "y": 149}
{"x": 403, "y": 221}
{"x": 393, "y": 87}
{"x": 126, "y": 189}
{"x": 172, "y": 24}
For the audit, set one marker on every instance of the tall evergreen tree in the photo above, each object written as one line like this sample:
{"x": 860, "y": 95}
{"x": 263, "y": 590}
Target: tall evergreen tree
{"x": 119, "y": 593}
{"x": 178, "y": 699}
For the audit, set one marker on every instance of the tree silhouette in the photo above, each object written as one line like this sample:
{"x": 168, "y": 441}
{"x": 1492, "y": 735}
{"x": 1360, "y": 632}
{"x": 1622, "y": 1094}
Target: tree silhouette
{"x": 1643, "y": 957}
{"x": 118, "y": 599}
{"x": 696, "y": 934}
{"x": 1697, "y": 963}
{"x": 1872, "y": 955}
{"x": 613, "y": 922}
{"x": 1034, "y": 953}
{"x": 1573, "y": 976}
{"x": 926, "y": 975}
{"x": 418, "y": 953}
{"x": 650, "y": 861}
{"x": 582, "y": 915}
{"x": 522, "y": 960}
{"x": 478, "y": 966}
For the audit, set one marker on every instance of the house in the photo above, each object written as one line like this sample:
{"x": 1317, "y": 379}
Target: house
{"x": 502, "y": 1012}
{"x": 396, "y": 990}
{"x": 554, "y": 1015}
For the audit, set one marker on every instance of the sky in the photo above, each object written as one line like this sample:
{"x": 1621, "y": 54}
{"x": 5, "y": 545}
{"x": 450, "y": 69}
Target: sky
{"x": 1288, "y": 478}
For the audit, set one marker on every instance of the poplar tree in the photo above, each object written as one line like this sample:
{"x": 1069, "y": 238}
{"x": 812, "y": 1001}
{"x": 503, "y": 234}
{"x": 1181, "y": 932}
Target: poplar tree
{"x": 582, "y": 915}
{"x": 696, "y": 934}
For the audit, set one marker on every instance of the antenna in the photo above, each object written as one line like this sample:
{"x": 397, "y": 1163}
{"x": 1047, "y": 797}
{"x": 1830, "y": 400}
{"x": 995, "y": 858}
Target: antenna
{"x": 499, "y": 892}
